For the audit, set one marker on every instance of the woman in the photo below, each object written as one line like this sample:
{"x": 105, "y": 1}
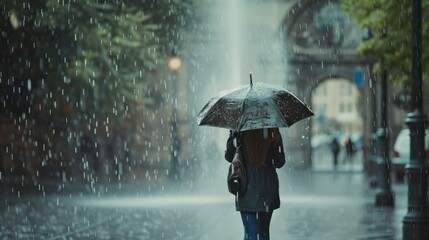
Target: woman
{"x": 262, "y": 153}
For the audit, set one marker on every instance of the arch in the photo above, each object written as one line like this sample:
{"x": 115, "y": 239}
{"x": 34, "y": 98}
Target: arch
{"x": 310, "y": 64}
{"x": 323, "y": 78}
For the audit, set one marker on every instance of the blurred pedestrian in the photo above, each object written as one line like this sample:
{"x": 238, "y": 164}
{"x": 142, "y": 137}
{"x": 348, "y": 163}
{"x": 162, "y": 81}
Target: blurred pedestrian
{"x": 335, "y": 149}
{"x": 263, "y": 153}
{"x": 350, "y": 150}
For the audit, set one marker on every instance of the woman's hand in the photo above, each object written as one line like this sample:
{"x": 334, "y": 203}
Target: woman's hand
{"x": 230, "y": 148}
{"x": 233, "y": 133}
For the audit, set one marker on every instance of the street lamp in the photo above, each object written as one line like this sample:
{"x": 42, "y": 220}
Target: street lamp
{"x": 416, "y": 221}
{"x": 174, "y": 63}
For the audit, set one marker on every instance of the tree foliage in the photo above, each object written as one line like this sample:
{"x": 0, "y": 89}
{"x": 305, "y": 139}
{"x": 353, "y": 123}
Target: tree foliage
{"x": 390, "y": 51}
{"x": 96, "y": 56}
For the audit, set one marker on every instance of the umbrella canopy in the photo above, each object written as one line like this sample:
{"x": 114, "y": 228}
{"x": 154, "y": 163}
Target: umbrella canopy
{"x": 255, "y": 106}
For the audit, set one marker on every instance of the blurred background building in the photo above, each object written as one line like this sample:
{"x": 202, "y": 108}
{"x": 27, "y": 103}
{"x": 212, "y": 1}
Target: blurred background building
{"x": 337, "y": 107}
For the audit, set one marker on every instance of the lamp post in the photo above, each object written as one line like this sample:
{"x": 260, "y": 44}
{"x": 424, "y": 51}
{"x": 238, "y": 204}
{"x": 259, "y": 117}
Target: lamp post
{"x": 367, "y": 35}
{"x": 174, "y": 63}
{"x": 416, "y": 221}
{"x": 384, "y": 196}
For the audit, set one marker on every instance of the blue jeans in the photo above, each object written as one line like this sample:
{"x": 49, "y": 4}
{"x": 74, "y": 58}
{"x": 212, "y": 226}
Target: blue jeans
{"x": 256, "y": 225}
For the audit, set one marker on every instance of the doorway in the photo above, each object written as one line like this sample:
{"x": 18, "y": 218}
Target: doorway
{"x": 337, "y": 104}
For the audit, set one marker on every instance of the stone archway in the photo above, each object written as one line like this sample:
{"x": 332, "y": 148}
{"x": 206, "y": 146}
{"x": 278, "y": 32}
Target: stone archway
{"x": 320, "y": 43}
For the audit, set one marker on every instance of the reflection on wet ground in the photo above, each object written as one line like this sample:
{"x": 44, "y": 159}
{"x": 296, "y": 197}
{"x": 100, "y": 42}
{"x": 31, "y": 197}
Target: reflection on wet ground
{"x": 314, "y": 206}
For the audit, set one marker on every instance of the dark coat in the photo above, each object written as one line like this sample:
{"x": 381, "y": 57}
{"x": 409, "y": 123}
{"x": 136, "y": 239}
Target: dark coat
{"x": 335, "y": 146}
{"x": 262, "y": 193}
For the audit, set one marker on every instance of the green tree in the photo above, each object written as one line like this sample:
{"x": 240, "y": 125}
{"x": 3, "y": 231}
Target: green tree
{"x": 391, "y": 52}
{"x": 99, "y": 55}
{"x": 91, "y": 58}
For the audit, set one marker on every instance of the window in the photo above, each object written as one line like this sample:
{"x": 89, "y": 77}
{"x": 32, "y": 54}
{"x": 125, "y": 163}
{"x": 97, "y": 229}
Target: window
{"x": 342, "y": 89}
{"x": 349, "y": 107}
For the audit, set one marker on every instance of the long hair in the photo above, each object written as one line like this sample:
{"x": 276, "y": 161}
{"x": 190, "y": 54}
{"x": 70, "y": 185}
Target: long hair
{"x": 258, "y": 142}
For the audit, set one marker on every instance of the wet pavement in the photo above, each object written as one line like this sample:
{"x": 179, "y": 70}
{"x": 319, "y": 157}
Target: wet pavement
{"x": 315, "y": 205}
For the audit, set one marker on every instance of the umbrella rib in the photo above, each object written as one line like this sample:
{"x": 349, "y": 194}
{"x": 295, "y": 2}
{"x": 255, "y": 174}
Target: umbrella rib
{"x": 242, "y": 117}
{"x": 243, "y": 106}
{"x": 279, "y": 112}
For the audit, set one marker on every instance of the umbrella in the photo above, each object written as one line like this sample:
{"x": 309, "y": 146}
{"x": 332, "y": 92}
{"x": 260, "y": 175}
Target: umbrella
{"x": 259, "y": 105}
